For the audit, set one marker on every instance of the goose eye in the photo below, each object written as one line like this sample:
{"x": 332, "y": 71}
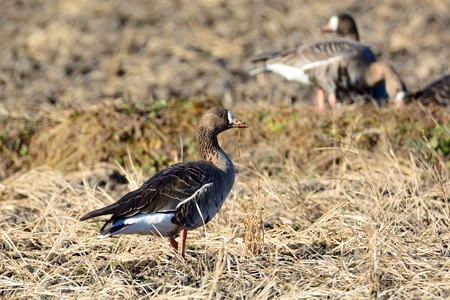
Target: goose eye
{"x": 221, "y": 115}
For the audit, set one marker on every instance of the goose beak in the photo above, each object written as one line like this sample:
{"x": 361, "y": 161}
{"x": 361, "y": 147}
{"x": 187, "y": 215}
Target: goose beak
{"x": 238, "y": 124}
{"x": 326, "y": 28}
{"x": 235, "y": 123}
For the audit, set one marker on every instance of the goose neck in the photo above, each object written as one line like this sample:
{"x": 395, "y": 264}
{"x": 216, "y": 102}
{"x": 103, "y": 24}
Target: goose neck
{"x": 354, "y": 36}
{"x": 380, "y": 71}
{"x": 209, "y": 150}
{"x": 375, "y": 74}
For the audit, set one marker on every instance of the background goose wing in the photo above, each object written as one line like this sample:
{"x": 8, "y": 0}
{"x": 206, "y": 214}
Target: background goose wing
{"x": 310, "y": 56}
{"x": 437, "y": 92}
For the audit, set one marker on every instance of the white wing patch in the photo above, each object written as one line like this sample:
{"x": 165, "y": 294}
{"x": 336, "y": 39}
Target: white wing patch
{"x": 320, "y": 63}
{"x": 197, "y": 193}
{"x": 290, "y": 73}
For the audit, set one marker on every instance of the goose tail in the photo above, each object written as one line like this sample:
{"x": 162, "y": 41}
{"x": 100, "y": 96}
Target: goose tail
{"x": 108, "y": 210}
{"x": 257, "y": 71}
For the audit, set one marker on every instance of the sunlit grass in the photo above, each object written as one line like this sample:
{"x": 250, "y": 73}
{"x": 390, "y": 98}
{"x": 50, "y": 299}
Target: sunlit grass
{"x": 359, "y": 215}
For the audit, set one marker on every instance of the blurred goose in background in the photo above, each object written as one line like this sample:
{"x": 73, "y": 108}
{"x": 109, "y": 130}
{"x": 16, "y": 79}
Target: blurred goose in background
{"x": 437, "y": 92}
{"x": 182, "y": 197}
{"x": 338, "y": 65}
{"x": 343, "y": 24}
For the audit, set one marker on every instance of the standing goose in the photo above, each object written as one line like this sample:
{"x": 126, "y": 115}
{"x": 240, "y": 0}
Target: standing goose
{"x": 334, "y": 66}
{"x": 343, "y": 24}
{"x": 181, "y": 197}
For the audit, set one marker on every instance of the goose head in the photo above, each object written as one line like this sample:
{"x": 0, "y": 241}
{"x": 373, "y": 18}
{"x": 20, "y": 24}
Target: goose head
{"x": 342, "y": 24}
{"x": 397, "y": 91}
{"x": 218, "y": 119}
{"x": 395, "y": 87}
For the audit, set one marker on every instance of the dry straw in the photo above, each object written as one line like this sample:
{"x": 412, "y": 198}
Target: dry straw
{"x": 350, "y": 205}
{"x": 347, "y": 214}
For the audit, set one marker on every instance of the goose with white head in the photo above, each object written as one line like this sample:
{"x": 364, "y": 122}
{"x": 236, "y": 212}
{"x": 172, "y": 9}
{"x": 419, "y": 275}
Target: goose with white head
{"x": 343, "y": 24}
{"x": 182, "y": 197}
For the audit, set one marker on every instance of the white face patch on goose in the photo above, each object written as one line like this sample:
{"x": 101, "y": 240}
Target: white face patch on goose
{"x": 334, "y": 23}
{"x": 230, "y": 117}
{"x": 400, "y": 96}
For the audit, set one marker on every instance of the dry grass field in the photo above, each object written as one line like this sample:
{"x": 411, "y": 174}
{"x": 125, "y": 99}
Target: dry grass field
{"x": 95, "y": 96}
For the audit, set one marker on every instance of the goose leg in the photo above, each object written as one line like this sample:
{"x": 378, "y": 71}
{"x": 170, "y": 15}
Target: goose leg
{"x": 174, "y": 244}
{"x": 183, "y": 234}
{"x": 332, "y": 100}
{"x": 320, "y": 100}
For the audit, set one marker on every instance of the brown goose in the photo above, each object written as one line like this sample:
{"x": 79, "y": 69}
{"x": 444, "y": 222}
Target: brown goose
{"x": 338, "y": 65}
{"x": 343, "y": 24}
{"x": 181, "y": 197}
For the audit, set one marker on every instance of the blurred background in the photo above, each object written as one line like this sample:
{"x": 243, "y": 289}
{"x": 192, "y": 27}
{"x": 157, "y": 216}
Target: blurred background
{"x": 63, "y": 53}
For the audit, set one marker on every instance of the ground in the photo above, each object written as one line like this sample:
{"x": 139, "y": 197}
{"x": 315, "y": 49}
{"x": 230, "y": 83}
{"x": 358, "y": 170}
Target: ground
{"x": 95, "y": 96}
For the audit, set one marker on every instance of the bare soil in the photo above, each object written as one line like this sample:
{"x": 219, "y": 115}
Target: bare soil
{"x": 73, "y": 53}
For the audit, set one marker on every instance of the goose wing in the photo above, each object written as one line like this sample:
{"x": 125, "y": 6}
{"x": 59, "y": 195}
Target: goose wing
{"x": 437, "y": 92}
{"x": 164, "y": 192}
{"x": 322, "y": 53}
{"x": 166, "y": 189}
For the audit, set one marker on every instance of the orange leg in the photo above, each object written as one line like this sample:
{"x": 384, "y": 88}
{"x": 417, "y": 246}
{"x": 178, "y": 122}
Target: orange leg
{"x": 333, "y": 100}
{"x": 320, "y": 100}
{"x": 183, "y": 233}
